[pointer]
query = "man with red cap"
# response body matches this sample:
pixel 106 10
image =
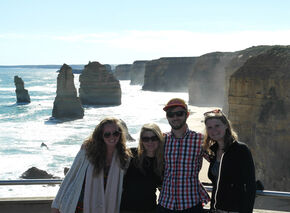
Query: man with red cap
pixel 181 190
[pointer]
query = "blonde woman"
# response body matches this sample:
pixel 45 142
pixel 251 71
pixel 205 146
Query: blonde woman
pixel 145 172
pixel 231 169
pixel 94 181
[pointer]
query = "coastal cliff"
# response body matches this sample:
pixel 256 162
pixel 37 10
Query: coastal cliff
pixel 98 86
pixel 137 73
pixel 162 74
pixel 207 79
pixel 259 99
pixel 122 71
pixel 66 103
pixel 22 95
pixel 238 60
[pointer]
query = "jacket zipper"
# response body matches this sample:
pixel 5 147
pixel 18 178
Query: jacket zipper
pixel 218 180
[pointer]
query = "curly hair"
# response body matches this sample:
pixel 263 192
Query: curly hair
pixel 230 134
pixel 141 152
pixel 96 148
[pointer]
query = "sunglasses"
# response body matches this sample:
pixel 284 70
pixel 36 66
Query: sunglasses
pixel 215 112
pixel 178 114
pixel 108 134
pixel 146 139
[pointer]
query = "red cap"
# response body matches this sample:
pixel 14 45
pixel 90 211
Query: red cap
pixel 174 103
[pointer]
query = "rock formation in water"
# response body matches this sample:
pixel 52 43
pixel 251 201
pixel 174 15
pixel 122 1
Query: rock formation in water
pixel 207 79
pixel 168 74
pixel 259 103
pixel 66 103
pixel 137 73
pixel 98 86
pixel 122 71
pixel 35 173
pixel 128 135
pixel 22 95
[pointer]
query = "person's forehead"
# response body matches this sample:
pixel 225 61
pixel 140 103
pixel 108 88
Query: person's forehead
pixel 175 109
pixel 110 126
pixel 148 132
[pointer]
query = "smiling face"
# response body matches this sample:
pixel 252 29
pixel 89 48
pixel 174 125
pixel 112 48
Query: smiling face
pixel 176 117
pixel 216 129
pixel 111 135
pixel 150 142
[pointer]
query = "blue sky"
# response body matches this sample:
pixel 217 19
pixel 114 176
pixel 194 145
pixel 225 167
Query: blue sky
pixel 116 32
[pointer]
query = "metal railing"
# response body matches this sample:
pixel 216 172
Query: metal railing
pixel 264 193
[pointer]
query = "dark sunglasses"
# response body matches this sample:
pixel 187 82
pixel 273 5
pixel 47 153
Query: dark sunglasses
pixel 146 139
pixel 178 114
pixel 215 112
pixel 108 134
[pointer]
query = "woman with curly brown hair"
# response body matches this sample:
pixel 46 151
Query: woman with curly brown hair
pixel 231 169
pixel 144 174
pixel 94 182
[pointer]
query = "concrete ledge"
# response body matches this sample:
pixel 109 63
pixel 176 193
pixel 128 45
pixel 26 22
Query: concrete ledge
pixel 43 205
pixel 26 205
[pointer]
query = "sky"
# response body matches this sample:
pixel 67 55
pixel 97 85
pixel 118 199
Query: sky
pixel 36 32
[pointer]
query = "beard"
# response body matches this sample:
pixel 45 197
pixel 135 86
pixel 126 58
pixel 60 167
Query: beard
pixel 177 124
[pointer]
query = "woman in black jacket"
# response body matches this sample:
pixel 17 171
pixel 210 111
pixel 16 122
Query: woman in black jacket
pixel 231 169
pixel 144 174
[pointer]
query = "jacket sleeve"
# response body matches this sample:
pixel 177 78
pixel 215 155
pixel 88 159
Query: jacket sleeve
pixel 70 188
pixel 249 180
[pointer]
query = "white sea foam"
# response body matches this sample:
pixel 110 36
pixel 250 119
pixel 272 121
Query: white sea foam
pixel 27 126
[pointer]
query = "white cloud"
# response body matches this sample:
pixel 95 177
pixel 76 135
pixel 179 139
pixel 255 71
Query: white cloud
pixel 127 46
pixel 179 42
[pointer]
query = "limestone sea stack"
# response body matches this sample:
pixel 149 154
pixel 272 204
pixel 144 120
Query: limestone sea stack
pixel 137 73
pixel 66 103
pixel 22 95
pixel 259 103
pixel 99 86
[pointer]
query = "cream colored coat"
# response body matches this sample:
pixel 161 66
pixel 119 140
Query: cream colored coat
pixel 69 192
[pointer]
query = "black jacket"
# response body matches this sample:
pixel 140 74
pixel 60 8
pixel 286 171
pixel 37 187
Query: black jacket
pixel 139 187
pixel 235 188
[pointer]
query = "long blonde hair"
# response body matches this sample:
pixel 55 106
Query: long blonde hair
pixel 230 134
pixel 141 152
pixel 96 148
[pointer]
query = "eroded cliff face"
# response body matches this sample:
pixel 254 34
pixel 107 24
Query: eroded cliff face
pixel 207 79
pixel 122 71
pixel 239 59
pixel 22 95
pixel 168 74
pixel 137 73
pixel 259 103
pixel 66 103
pixel 99 86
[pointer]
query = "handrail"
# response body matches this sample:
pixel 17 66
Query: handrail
pixel 264 193
pixel 31 182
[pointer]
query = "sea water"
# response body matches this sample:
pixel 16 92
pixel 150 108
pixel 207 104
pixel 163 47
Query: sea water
pixel 25 127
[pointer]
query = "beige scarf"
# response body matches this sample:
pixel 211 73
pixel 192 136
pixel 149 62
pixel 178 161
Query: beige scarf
pixel 98 200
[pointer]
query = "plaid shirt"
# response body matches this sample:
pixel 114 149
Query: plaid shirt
pixel 181 188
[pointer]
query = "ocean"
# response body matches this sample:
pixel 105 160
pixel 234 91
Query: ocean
pixel 25 127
